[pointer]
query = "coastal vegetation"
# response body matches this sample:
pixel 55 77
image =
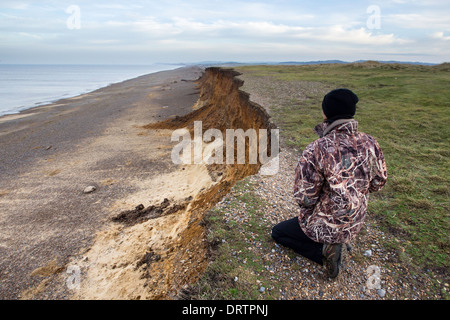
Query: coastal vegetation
pixel 406 108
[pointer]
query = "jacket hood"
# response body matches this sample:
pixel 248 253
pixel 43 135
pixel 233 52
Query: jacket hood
pixel 348 125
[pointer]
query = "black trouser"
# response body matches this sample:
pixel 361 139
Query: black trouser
pixel 289 234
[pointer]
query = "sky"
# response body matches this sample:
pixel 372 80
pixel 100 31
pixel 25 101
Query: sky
pixel 175 31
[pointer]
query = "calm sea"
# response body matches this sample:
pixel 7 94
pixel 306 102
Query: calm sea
pixel 27 86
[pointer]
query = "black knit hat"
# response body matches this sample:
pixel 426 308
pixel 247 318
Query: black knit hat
pixel 339 104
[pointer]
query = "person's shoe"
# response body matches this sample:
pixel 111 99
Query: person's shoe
pixel 332 258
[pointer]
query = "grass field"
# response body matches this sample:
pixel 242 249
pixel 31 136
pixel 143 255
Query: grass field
pixel 407 109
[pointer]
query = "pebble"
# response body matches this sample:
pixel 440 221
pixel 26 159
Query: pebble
pixel 381 292
pixel 262 289
pixel 89 189
pixel 368 253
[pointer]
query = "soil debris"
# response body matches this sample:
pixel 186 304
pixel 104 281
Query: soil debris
pixel 147 259
pixel 140 213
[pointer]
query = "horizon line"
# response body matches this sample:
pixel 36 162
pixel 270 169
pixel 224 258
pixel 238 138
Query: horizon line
pixel 212 62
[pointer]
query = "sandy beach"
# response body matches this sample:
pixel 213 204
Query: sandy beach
pixel 92 204
pixel 50 154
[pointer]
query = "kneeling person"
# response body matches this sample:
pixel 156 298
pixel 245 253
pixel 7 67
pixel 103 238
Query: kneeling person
pixel 333 179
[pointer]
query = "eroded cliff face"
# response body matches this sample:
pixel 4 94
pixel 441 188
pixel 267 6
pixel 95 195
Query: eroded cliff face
pixel 222 105
pixel 151 252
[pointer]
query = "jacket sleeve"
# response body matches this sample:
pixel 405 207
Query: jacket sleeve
pixel 378 169
pixel 308 181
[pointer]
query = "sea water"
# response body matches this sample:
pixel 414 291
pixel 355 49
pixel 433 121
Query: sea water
pixel 26 86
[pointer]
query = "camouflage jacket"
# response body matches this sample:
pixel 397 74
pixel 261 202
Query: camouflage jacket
pixel 333 179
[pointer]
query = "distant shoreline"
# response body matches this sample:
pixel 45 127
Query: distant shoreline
pixel 25 78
